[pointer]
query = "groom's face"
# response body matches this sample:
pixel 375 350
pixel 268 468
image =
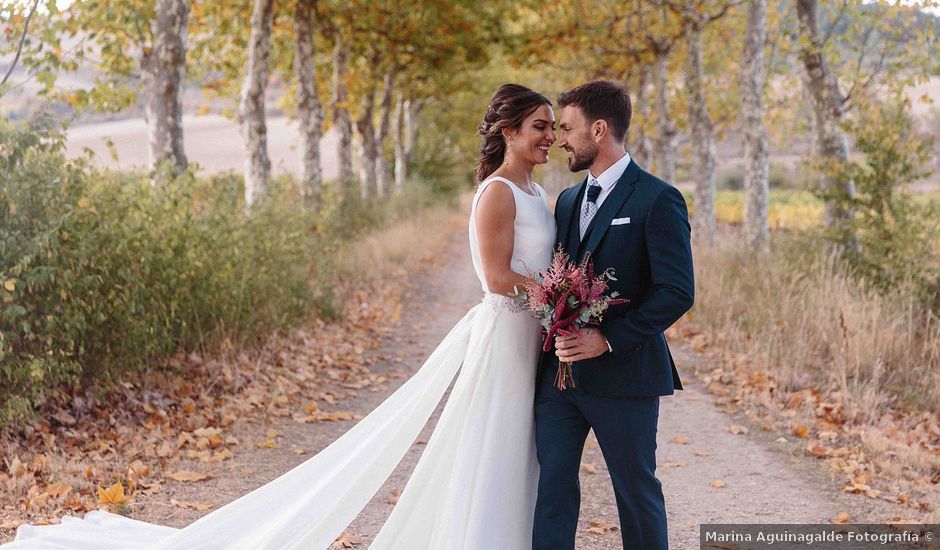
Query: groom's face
pixel 574 136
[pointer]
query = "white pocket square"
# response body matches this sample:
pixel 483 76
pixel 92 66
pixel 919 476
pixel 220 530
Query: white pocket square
pixel 619 221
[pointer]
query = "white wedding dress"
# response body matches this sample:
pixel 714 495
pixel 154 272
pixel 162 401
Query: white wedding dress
pixel 474 486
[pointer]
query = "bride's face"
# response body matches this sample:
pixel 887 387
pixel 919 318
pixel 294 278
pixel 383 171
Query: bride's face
pixel 531 141
pixel 574 137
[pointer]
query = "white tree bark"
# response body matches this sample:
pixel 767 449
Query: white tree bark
pixel 412 113
pixel 756 169
pixel 251 107
pixel 398 137
pixel 827 101
pixel 163 69
pixel 665 146
pixel 703 139
pixel 406 136
pixel 309 107
pixel 382 170
pixel 340 108
pixel 365 134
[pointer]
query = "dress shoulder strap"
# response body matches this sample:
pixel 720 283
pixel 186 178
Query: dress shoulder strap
pixel 486 183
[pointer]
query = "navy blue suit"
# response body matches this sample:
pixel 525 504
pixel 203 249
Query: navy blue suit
pixel 617 394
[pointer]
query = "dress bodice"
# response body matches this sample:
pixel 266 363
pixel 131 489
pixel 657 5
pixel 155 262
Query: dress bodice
pixel 533 227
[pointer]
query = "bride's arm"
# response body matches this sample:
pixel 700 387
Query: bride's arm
pixel 495 215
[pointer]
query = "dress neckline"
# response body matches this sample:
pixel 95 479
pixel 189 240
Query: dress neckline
pixel 538 192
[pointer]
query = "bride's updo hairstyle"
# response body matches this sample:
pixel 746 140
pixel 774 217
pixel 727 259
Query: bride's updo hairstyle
pixel 510 105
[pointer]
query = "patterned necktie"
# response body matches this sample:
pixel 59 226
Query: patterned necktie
pixel 590 207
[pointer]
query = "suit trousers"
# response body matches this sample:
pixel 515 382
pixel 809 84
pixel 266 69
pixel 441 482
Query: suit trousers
pixel 625 429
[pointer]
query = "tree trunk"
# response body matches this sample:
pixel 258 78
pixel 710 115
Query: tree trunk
pixel 382 172
pixel 703 139
pixel 642 145
pixel 398 137
pixel 309 108
pixel 756 170
pixel 412 112
pixel 251 107
pixel 340 108
pixel 163 69
pixel 365 131
pixel 665 153
pixel 826 100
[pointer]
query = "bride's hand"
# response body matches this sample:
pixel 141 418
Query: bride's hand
pixel 579 345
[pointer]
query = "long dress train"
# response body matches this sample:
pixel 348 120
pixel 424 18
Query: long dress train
pixel 474 485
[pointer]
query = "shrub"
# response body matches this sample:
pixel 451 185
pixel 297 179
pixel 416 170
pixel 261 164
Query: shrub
pixel 898 237
pixel 777 178
pixel 103 273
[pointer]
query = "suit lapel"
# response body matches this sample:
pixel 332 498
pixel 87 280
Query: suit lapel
pixel 618 196
pixel 570 220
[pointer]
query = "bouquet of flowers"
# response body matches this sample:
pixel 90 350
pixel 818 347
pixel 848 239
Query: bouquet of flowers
pixel 566 297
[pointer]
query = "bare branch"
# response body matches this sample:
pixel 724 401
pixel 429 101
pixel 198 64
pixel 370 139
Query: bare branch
pixel 19 48
pixel 832 28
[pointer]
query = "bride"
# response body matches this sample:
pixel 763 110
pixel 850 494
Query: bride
pixel 475 484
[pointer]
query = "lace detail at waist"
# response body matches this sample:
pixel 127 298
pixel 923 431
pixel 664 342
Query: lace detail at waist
pixel 502 303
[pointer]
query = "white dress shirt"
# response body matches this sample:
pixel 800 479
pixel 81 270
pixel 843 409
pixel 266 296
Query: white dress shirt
pixel 607 180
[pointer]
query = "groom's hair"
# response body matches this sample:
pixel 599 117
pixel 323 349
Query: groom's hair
pixel 601 99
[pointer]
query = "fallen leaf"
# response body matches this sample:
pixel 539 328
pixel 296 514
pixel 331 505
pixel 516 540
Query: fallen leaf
pixel 17 468
pixel 137 470
pixel 188 476
pixel 599 527
pixel 192 505
pixel 718 484
pixel 669 464
pixel 737 429
pixel 64 418
pixel 588 468
pixel 346 540
pixel 679 441
pixel 818 450
pixel 800 431
pixel 701 453
pixel 841 518
pixel 113 495
pixel 57 490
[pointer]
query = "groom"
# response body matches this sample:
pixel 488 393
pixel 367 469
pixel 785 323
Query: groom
pixel 637 224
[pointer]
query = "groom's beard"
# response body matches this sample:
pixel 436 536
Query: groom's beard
pixel 582 160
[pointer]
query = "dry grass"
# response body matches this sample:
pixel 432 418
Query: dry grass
pixel 813 325
pixel 399 247
pixel 812 352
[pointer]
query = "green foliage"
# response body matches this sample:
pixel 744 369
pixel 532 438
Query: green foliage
pixel 898 236
pixel 103 272
pixel 733 179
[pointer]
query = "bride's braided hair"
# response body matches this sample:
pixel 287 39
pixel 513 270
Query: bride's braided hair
pixel 510 105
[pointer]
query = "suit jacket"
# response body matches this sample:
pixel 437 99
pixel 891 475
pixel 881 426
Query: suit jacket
pixel 651 255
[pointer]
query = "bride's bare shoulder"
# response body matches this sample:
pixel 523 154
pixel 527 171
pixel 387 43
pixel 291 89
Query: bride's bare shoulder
pixel 496 199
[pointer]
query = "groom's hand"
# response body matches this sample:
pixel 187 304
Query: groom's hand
pixel 585 343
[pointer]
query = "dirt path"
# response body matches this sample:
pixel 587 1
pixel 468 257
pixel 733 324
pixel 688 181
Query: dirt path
pixel 763 479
